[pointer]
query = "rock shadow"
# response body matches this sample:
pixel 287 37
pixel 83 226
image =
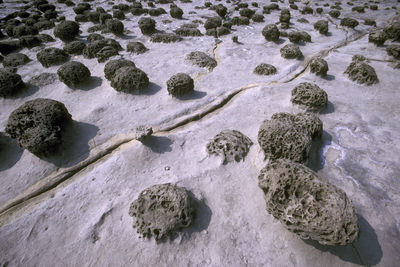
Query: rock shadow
pixel 202 216
pixel 192 95
pixel 158 144
pixel 365 251
pixel 329 109
pixel 75 146
pixel 280 41
pixel 127 37
pixel 10 152
pixel 28 90
pixel 329 77
pixel 152 89
pixel 89 84
pixel 316 158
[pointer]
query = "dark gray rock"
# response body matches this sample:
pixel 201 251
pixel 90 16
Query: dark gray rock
pixel 73 73
pixel 43 79
pixel 201 59
pixel 307 205
pixel 129 79
pixel 147 26
pixel 37 125
pixel 349 22
pixel 176 12
pixel 165 38
pixel 310 97
pixel 271 32
pixel 66 30
pixel 74 47
pixel 377 37
pixel 180 84
pixel 136 48
pixel 393 50
pixel 52 56
pixel 10 83
pixel 393 31
pixel 321 26
pixel 319 66
pixel 113 65
pixel 230 145
pixel 265 69
pixel 15 60
pixel 299 36
pixel 291 51
pixel 162 210
pixel 115 26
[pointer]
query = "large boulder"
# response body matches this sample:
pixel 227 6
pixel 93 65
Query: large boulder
pixel 180 84
pixel 162 210
pixel 129 79
pixel 52 56
pixel 37 125
pixel 289 136
pixel 362 73
pixel 307 205
pixel 10 83
pixel 310 97
pixel 73 73
pixel 113 65
pixel 66 30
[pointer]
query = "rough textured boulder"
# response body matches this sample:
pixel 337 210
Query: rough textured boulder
pixel 271 32
pixel 147 25
pixel 230 145
pixel 142 132
pixel 308 205
pixel 176 12
pixel 201 59
pixel 393 50
pixel 188 30
pixel 393 31
pixel 265 69
pixel 10 83
pixel 377 37
pixel 165 38
pixel 52 56
pixel 349 22
pixel 289 136
pixel 310 97
pixel 15 60
pixel 180 84
pixel 115 26
pixel 319 66
pixel 73 73
pixel 162 210
pixel 291 51
pixel 74 47
pixel 67 30
pixel 102 49
pixel 113 65
pixel 128 79
pixel 321 26
pixel 136 48
pixel 334 13
pixel 37 125
pixel 361 73
pixel 299 36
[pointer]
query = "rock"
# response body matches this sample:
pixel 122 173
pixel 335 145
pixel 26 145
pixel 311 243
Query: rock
pixel 37 125
pixel 165 38
pixel 221 10
pixel 393 50
pixel 21 30
pixel 265 69
pixel 44 38
pixel 289 136
pixel 308 205
pixel 271 32
pixel 73 73
pixel 349 22
pixel 142 132
pixel 15 60
pixel 180 84
pixel 212 23
pixel 102 49
pixel 67 30
pixel 147 26
pixel 30 41
pixel 296 37
pixel 115 26
pixel 156 11
pixel 118 14
pixel 240 20
pixel 230 145
pixel 361 73
pixel 246 12
pixel 176 12
pixel 94 37
pixel 128 79
pixel 52 56
pixel 74 47
pixel 10 83
pixel 370 22
pixel 310 97
pixel 319 66
pixel 188 31
pixel 393 31
pixel 258 18
pixel 161 210
pixel 43 79
pixel 377 37
pixel 334 13
pixel 321 26
pixel 103 17
pixel 291 51
pixel 136 48
pixel 201 59
pixel 113 65
pixel 9 46
pixel 285 16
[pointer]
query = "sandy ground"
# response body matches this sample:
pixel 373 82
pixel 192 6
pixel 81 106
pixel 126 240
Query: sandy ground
pixel 72 209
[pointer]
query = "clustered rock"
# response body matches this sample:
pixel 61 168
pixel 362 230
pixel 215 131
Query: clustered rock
pixel 230 145
pixel 38 124
pixel 161 210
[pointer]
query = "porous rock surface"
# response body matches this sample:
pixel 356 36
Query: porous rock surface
pixel 307 205
pixel 180 84
pixel 319 66
pixel 289 136
pixel 128 79
pixel 162 210
pixel 291 51
pixel 66 30
pixel 230 145
pixel 265 69
pixel 113 65
pixel 15 60
pixel 52 56
pixel 271 32
pixel 310 97
pixel 201 59
pixel 37 125
pixel 361 72
pixel 73 73
pixel 10 83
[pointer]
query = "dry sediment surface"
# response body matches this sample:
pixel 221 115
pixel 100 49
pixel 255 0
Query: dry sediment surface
pixel 71 206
